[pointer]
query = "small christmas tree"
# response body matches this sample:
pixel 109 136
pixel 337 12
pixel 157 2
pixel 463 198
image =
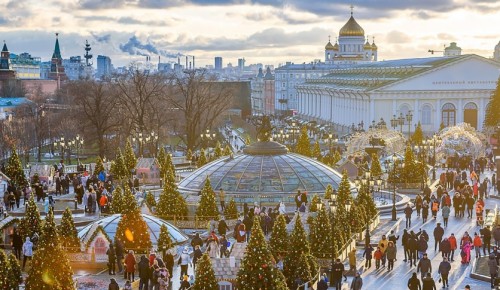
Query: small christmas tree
pixel 5 271
pixel 375 169
pixel 313 207
pixel 150 200
pixel 67 232
pixel 344 191
pixel 336 158
pixel 50 268
pixel 328 192
pixel 257 269
pixel 365 199
pixel 129 203
pixel 207 208
pixel 278 242
pixel 299 245
pixel 227 150
pixel 169 164
pixel 231 211
pixel 247 140
pixel 129 158
pixel 31 222
pixel 189 155
pixel 317 151
pixel 118 167
pixel 99 166
pixel 205 275
pixel 302 271
pixel 410 170
pixel 492 115
pixel 15 273
pixel 171 203
pixel 304 144
pixel 202 160
pixel 218 150
pixel 132 230
pixel 164 241
pixel 321 235
pixel 162 162
pixel 117 200
pixel 14 169
pixel 418 135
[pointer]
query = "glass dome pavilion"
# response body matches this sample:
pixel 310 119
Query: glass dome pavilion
pixel 263 168
pixel 110 224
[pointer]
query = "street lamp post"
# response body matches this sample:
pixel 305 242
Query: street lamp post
pixel 78 143
pixel 409 118
pixel 401 122
pixel 333 211
pixel 62 145
pixel 394 160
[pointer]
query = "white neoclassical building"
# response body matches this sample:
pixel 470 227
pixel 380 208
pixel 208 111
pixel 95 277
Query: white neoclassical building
pixel 436 90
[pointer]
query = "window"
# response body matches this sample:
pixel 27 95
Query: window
pixel 448 117
pixel 404 110
pixel 223 285
pixel 426 115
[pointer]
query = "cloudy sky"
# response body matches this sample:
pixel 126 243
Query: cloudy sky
pixel 261 31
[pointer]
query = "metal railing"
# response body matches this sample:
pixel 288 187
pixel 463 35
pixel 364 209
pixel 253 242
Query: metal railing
pixel 311 282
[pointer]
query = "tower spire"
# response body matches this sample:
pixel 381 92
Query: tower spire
pixel 4 46
pixel 57 50
pixel 352 9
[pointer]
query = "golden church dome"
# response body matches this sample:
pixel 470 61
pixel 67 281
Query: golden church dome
pixel 352 28
pixel 336 46
pixel 374 47
pixel 329 46
pixel 367 46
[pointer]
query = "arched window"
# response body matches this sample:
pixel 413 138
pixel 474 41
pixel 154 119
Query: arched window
pixel 426 115
pixel 404 109
pixel 448 115
pixel 470 114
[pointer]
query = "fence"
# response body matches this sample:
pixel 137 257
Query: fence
pixel 195 222
pixel 312 283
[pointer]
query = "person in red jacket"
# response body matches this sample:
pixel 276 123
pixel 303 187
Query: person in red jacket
pixel 378 257
pixel 478 243
pixel 453 244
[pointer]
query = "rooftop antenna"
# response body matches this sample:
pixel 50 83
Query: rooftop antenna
pixel 352 9
pixel 432 51
pixel 87 55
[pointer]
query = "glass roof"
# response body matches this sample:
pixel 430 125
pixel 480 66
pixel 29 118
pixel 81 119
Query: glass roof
pixel 267 174
pixel 110 224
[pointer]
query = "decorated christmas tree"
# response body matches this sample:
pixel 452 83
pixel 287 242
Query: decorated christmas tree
pixel 150 200
pixel 418 135
pixel 132 230
pixel 321 235
pixel 304 144
pixel 162 162
pixel 227 150
pixel 118 167
pixel 169 164
pixel 299 245
pixel 492 116
pixel 117 200
pixel 31 222
pixel 313 206
pixel 365 199
pixel 15 274
pixel 258 269
pixel 207 208
pixel 171 203
pixel 129 158
pixel 202 160
pixel 50 268
pixel 218 150
pixel 356 218
pixel 205 275
pixel 302 271
pixel 4 271
pixel 99 166
pixel 247 140
pixel 189 155
pixel 328 192
pixel 164 241
pixel 14 169
pixel 317 151
pixel 375 169
pixel 410 172
pixel 67 232
pixel 344 191
pixel 129 203
pixel 336 158
pixel 231 211
pixel 278 243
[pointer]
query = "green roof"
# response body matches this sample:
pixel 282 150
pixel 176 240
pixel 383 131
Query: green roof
pixel 57 50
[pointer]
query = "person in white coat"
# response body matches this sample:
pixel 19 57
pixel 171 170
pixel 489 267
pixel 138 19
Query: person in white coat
pixel 27 251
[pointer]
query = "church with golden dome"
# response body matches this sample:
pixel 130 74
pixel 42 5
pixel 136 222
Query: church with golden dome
pixel 351 46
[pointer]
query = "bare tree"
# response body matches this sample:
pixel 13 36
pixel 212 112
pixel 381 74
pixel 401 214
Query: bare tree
pixel 95 107
pixel 200 99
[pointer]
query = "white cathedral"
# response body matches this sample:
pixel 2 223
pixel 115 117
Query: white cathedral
pixel 351 46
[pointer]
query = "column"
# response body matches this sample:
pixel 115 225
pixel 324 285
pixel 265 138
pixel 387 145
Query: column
pixel 416 113
pixel 371 116
pixel 437 121
pixel 481 111
pixel 459 115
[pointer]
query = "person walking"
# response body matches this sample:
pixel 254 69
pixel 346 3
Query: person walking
pixel 144 273
pixel 383 244
pixel 130 265
pixel 425 211
pixel 428 283
pixel 17 244
pixel 414 283
pixel 438 235
pixel 444 271
pixel 408 212
pixel 453 246
pixel 391 253
pixel 477 245
pixel 493 267
pixel 222 227
pixel 422 247
pixel 418 204
pixel 357 282
pixel 119 255
pixel 424 266
pixel 486 235
pixel 196 256
pixel 445 248
pixel 222 199
pixel 111 259
pixel 367 254
pixel 412 249
pixel 336 274
pixel 113 285
pixel 184 262
pixel 445 212
pixel 27 251
pixel 496 235
pixel 378 257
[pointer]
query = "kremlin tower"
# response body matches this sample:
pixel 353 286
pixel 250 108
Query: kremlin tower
pixel 56 68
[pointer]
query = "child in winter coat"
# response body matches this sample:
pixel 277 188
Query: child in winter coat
pixel 378 257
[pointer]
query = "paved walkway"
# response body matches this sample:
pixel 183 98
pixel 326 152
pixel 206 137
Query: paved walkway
pixel 398 277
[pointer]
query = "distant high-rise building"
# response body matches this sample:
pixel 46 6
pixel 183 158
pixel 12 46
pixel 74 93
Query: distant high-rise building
pixel 56 68
pixel 241 64
pixel 104 66
pixel 218 63
pixel 496 54
pixel 26 66
pixel 73 67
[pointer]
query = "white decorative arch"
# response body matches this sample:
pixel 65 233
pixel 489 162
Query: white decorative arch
pixel 470 106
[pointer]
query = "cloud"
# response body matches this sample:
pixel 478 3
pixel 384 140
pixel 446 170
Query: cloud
pixel 135 47
pixel 132 21
pixel 421 15
pixel 101 38
pixel 101 4
pixel 162 3
pixel 397 37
